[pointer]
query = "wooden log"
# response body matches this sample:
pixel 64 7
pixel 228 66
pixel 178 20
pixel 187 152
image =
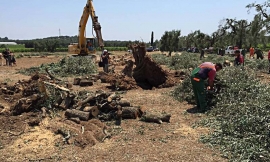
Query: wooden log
pixel 130 113
pixel 87 109
pixel 76 81
pixel 76 120
pixel 107 107
pixel 84 83
pixel 124 103
pixel 156 117
pixel 72 113
pixel 88 99
pixel 94 111
pixel 112 97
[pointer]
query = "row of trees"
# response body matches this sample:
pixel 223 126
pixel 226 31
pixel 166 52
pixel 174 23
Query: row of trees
pixel 240 33
pixel 50 44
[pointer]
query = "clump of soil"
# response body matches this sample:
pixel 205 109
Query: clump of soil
pixel 118 81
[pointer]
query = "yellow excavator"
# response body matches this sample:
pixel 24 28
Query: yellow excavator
pixel 86 46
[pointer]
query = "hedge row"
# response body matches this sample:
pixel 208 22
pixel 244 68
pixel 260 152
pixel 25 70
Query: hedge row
pixel 62 49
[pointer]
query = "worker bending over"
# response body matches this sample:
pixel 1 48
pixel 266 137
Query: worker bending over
pixel 205 71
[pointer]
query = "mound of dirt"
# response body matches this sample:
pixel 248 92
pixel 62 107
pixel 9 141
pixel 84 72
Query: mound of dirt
pixel 118 81
pixel 11 127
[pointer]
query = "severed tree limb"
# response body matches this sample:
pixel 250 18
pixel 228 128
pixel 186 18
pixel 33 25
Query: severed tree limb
pixel 57 87
pixel 51 76
pixel 156 117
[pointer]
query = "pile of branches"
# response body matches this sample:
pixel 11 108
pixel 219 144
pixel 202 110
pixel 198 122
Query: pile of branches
pixel 68 66
pixel 239 115
pixel 242 111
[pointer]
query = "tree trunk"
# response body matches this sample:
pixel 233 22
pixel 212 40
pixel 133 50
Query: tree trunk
pixel 170 53
pixel 152 38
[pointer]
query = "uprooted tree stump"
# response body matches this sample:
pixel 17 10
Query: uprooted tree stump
pixel 147 73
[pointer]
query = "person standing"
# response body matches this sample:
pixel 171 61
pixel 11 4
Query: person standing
pixel 206 70
pixel 269 61
pixel 259 53
pixel 105 60
pixel 202 54
pixel 251 52
pixel 243 53
pixel 6 55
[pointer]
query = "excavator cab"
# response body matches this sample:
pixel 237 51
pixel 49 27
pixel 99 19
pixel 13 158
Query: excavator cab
pixel 91 45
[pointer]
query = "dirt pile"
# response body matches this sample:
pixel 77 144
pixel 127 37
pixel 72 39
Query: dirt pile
pixel 119 81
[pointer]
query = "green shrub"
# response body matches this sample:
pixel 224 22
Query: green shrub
pixel 69 66
pixel 161 59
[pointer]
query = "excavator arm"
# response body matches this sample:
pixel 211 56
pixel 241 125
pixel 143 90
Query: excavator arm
pixel 89 11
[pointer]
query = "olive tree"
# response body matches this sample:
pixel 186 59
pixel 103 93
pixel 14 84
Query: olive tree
pixel 169 41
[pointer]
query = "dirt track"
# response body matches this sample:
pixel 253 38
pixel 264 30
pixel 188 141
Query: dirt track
pixel 133 141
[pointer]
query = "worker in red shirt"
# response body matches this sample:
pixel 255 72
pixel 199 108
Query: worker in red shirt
pixel 239 59
pixel 269 60
pixel 205 71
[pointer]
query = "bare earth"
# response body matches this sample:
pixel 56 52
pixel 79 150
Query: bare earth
pixel 133 141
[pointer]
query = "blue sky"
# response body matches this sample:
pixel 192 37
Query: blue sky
pixel 120 19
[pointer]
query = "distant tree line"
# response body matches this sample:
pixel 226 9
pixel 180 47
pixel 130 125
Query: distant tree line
pixel 50 44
